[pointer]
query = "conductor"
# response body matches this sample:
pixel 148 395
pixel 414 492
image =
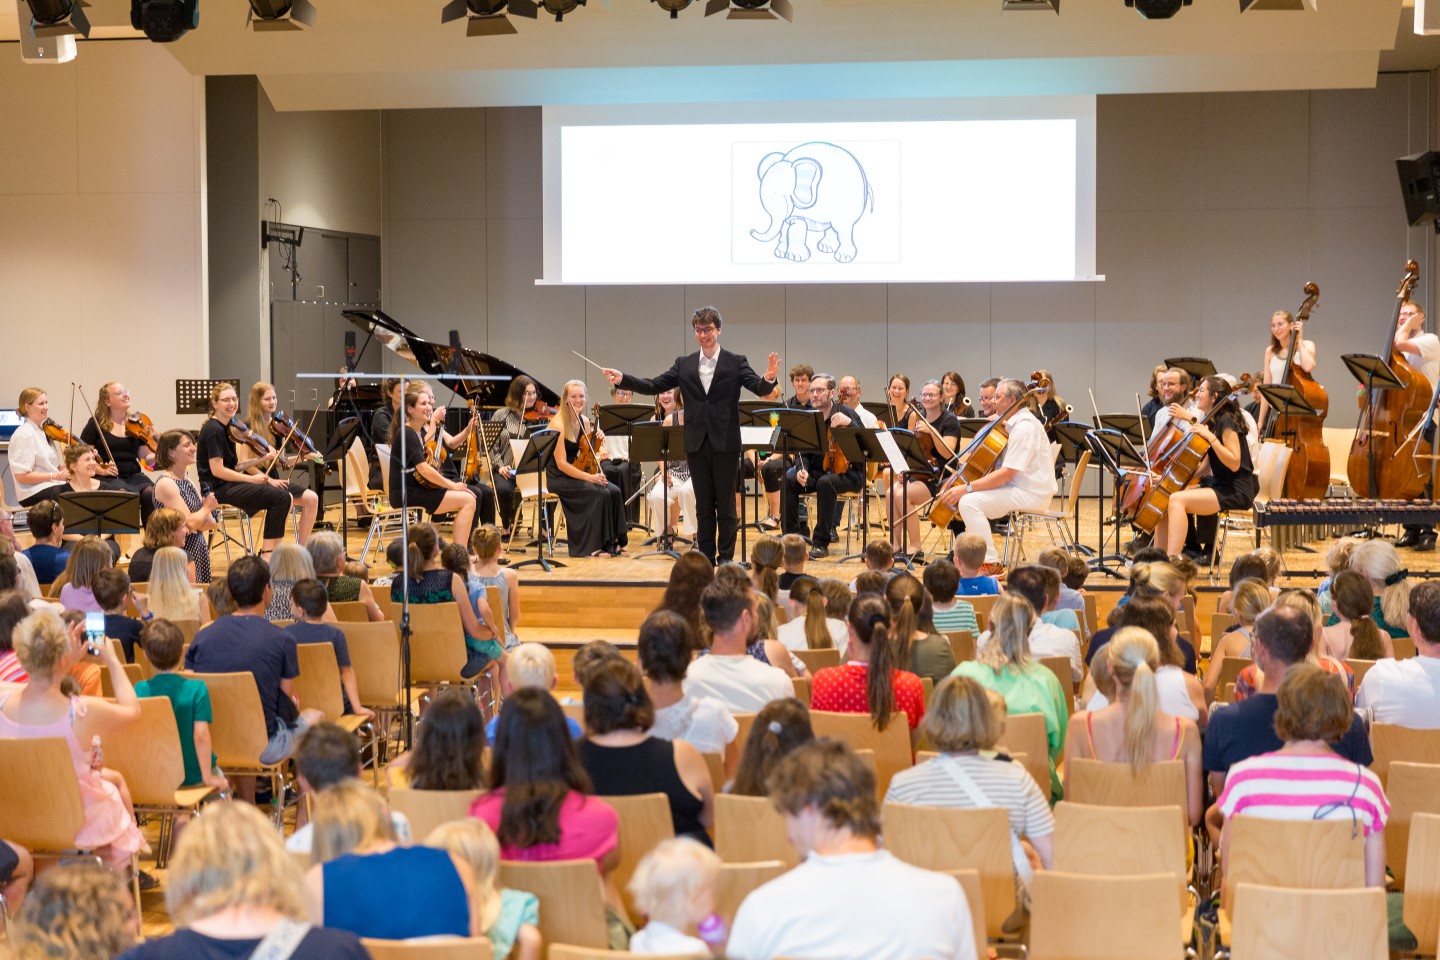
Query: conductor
pixel 709 381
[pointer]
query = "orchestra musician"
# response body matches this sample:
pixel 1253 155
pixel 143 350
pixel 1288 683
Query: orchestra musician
pixel 1154 405
pixel 260 414
pixel 594 509
pixel 897 403
pixel 989 398
pixel 670 409
pixel 952 394
pixel 126 455
pixel 1172 388
pixel 425 486
pixel 36 463
pixel 848 393
pixel 380 422
pixel 1052 406
pixel 1283 329
pixel 83 466
pixel 618 468
pixel 773 467
pixel 809 475
pixel 1231 483
pixel 250 484
pixel 520 397
pixel 1423 353
pixel 917 490
pixel 175 451
pixel 1022 479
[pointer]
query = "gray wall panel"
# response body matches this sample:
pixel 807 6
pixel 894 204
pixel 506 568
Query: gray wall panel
pixel 437 278
pixel 1148 152
pixel 1047 326
pixel 1256 150
pixel 935 327
pixel 1355 136
pixel 1252 259
pixel 629 328
pixel 530 326
pixel 836 328
pixel 512 156
pixel 435 164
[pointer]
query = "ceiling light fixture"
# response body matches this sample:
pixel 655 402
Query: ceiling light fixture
pixel 486 18
pixel 560 7
pixel 1030 5
pixel 1157 9
pixel 752 9
pixel 280 15
pixel 57 18
pixel 165 21
pixel 673 6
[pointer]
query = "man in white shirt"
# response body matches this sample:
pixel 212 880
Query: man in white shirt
pixel 728 673
pixel 849 391
pixel 895 911
pixel 1407 692
pixel 1022 479
pixel 1422 351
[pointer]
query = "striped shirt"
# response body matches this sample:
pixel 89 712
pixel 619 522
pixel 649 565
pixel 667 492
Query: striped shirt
pixel 1281 786
pixel 1005 783
pixel 960 615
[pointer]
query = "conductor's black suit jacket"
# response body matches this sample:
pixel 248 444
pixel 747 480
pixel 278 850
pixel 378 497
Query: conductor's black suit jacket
pixel 712 415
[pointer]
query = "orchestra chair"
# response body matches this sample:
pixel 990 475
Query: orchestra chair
pixel 1413 788
pixel 738 880
pixel 1061 522
pixel 891 745
pixel 1084 917
pixel 386 522
pixel 1025 740
pixel 1229 672
pixel 1420 908
pixel 238 734
pixel 1338 441
pixel 1390 742
pixel 802 689
pixel 428 809
pixel 750 830
pixel 1284 922
pixel 1124 841
pixel 949 838
pixel 350 611
pixel 455 948
pixel 1303 854
pixel 644 823
pixel 375 656
pixel 817 660
pixel 572 904
pixel 1060 666
pixel 318 688
pixel 962 644
pixel 531 489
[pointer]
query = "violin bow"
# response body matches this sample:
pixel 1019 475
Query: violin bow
pixel 308 427
pixel 104 442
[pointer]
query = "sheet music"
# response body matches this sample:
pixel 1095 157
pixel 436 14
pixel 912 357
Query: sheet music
pixel 756 436
pixel 892 451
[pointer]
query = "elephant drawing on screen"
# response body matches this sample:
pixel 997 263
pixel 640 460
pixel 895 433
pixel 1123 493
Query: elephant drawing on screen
pixel 815 188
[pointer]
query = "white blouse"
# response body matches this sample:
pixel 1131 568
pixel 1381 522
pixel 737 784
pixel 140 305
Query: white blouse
pixel 32 452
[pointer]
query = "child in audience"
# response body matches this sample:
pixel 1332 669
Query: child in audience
pixel 969 556
pixel 533 665
pixel 216 601
pixel 942 579
pixel 112 589
pixel 1337 558
pixel 870 581
pixel 485 545
pixel 779 727
pixel 509 918
pixel 328 754
pixel 674 886
pixel 1068 618
pixel 583 664
pixel 879 555
pixel 87 559
pixel 84 671
pixel 1247 566
pixel 164 644
pixel 1077 572
pixel 1059 561
pixel 395 556
pixel 793 556
pixel 309 600
pixel 357 569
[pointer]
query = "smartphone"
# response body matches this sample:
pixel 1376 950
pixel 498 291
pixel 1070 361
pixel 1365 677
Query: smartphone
pixel 94 632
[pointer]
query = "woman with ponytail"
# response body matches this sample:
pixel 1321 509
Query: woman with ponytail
pixel 1355 636
pixel 779 727
pixel 765 560
pixel 917 645
pixel 810 627
pixel 869 682
pixel 1389 582
pixel 1133 729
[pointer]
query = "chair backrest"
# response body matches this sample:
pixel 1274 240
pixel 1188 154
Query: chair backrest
pixel 750 830
pixel 802 689
pixel 350 611
pixel 1229 672
pixel 1270 469
pixel 962 644
pixel 1412 788
pixel 496 600
pixel 565 951
pixel 382 453
pixel 40 806
pixel 1389 743
pixel 715 763
pixel 148 754
pixel 1280 921
pixel 970 882
pixel 744 721
pixel 318 686
pixel 1404 647
pixel 1092 613
pixel 1160 784
pixel 1308 854
pixel 1359 668
pixel 891 745
pixel 1025 734
pixel 1060 666
pixel 1083 917
pixel 815 660
pixel 238 735
pixel 1077 479
pixel 738 880
pixel 468 948
pixel 375 657
pixel 983 605
pixel 437 643
pixel 572 909
pixel 357 471
pixel 428 809
pixel 944 838
pixel 644 822
pixel 1421 907
pixel 1191 627
pixel 928 685
pixel 1120 841
pixel 1219 623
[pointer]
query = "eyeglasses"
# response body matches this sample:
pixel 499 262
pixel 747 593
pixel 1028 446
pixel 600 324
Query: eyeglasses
pixel 707 328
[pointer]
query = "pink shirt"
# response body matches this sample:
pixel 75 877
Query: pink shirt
pixel 1282 786
pixel 10 669
pixel 589 828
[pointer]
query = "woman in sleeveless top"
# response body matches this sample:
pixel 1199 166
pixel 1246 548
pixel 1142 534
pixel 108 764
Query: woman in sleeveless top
pixel 1284 329
pixel 1133 730
pixel 175 452
pixel 594 509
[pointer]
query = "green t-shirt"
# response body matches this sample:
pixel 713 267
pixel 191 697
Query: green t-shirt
pixel 191 702
pixel 1029 689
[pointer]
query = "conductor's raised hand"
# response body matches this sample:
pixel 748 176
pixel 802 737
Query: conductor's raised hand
pixel 612 375
pixel 772 368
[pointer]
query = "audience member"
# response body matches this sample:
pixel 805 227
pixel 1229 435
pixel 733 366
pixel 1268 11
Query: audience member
pixel 870 681
pixel 164 646
pixel 87 558
pixel 17 869
pixel 1250 680
pixel 1407 692
pixel 1153 579
pixel 533 665
pixel 449 749
pixel 793 554
pixel 13 609
pixel 870 581
pixel 1251 599
pixel 1046 639
pixel 508 918
pixel 328 754
pixel 665 646
pixel 48 555
pixel 729 674
pixel 309 603
pixel 1337 558
pixel 689 576
pixel 112 589
pixel 765 559
pixel 165 528
pixel 879 555
pixel 77 911
pixel 969 556
pixel 1354 635
pixel 486 543
pixel 917 645
pixel 941 580
pixel 1380 563
pixel 171 595
pixel 810 626
pixel 289 564
pixel 674 887
pixel 1247 566
pixel 779 727
pixel 327 556
pixel 431 582
pixel 1179 693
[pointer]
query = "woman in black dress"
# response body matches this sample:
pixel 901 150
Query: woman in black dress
pixel 594 508
pixel 511 417
pixel 1231 482
pixel 121 455
pixel 425 486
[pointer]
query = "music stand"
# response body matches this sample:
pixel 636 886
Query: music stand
pixel 969 426
pixel 799 432
pixel 193 396
pixel 753 413
pixel 1197 367
pixel 1115 453
pixel 916 465
pixel 880 411
pixel 617 419
pixel 101 512
pixel 1373 374
pixel 1285 399
pixel 539 449
pixel 653 443
pixel 345 432
pixel 1071 436
pixel 860 445
pixel 1126 423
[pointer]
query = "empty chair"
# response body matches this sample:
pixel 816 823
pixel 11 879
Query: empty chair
pixel 1389 743
pixel 1084 917
pixel 1276 922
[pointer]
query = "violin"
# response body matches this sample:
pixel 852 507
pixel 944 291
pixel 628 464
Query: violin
pixel 435 454
pixel 834 460
pixel 587 459
pixel 925 437
pixel 982 453
pixel 58 434
pixel 142 429
pixel 539 411
pixel 285 429
pixel 241 435
pixel 1307 476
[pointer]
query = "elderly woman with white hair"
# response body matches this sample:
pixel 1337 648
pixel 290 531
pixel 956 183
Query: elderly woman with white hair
pixel 327 554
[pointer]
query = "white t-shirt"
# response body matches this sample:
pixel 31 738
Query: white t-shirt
pixel 792 634
pixel 1028 452
pixel 897 912
pixel 661 938
pixel 1048 640
pixel 1429 346
pixel 742 683
pixel 702 722
pixel 31 452
pixel 1171 696
pixel 1403 692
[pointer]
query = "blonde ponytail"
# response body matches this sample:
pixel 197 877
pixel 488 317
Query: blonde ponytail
pixel 1134 656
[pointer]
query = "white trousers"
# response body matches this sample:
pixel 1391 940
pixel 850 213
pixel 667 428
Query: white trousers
pixel 978 508
pixel 684 492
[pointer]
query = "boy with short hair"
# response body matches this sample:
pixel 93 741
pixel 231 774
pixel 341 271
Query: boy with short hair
pixel 793 554
pixel 879 555
pixel 941 579
pixel 111 589
pixel 164 644
pixel 328 754
pixel 1054 613
pixel 47 555
pixel 308 601
pixel 1077 573
pixel 533 665
pixel 1059 561
pixel 969 555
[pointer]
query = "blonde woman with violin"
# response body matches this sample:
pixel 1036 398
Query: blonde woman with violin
pixel 123 455
pixel 260 414
pixel 35 459
pixel 594 507
pixel 251 484
pixel 939 431
pixel 425 486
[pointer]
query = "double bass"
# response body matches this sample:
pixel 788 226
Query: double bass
pixel 1387 417
pixel 1308 475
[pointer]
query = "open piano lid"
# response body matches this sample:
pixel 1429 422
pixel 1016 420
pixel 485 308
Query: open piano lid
pixel 434 359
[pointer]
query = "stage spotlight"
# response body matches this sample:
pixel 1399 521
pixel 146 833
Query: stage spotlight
pixel 1157 9
pixel 1030 5
pixel 560 7
pixel 486 18
pixel 673 6
pixel 41 49
pixel 280 15
pixel 165 21
pixel 57 18
pixel 752 9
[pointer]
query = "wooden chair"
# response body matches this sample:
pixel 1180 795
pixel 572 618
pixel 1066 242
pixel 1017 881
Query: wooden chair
pixel 375 657
pixel 1229 671
pixel 437 644
pixel 1097 783
pixel 498 613
pixel 1123 841
pixel 1389 743
pixel 1060 666
pixel 1281 922
pixel 149 756
pixel 751 830
pixel 1306 854
pixel 1083 917
pixel 238 735
pixel 802 689
pixel 716 764
pixel 1413 788
pixel 1360 668
pixel 1219 623
pixel 318 688
pixel 891 745
pixel 428 809
pixel 983 605
pixel 644 823
pixel 1092 615
pixel 572 908
pixel 469 948
pixel 350 611
pixel 1191 625
pixel 744 721
pixel 943 838
pixel 738 880
pixel 816 660
pixel 962 644
pixel 1404 647
pixel 1421 906
pixel 1025 734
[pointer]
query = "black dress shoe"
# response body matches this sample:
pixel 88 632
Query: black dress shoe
pixel 1412 538
pixel 819 552
pixel 1425 543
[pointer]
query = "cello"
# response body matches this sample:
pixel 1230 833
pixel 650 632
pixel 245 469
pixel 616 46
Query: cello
pixel 1308 475
pixel 1387 417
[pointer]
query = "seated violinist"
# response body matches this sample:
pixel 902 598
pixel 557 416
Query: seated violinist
pixel 518 400
pixel 121 454
pixel 35 460
pixel 594 509
pixel 415 481
pixel 939 435
pixel 251 484
pixel 260 413
pixel 456 462
pixel 813 472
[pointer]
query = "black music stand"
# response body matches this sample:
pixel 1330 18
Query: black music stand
pixel 880 411
pixel 1197 367
pixel 616 420
pixel 1071 436
pixel 101 512
pixel 653 443
pixel 1286 399
pixel 1374 374
pixel 1126 423
pixel 1116 454
pixel 799 432
pixel 860 445
pixel 916 465
pixel 193 396
pixel 338 449
pixel 539 449
pixel 969 426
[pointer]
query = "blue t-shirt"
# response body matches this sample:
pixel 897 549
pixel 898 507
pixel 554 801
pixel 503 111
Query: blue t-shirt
pixel 402 893
pixel 49 562
pixel 126 630
pixel 248 644
pixel 1239 731
pixel 977 587
pixel 576 731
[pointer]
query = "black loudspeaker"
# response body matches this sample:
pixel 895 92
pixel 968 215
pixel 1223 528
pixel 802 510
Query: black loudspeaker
pixel 1419 176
